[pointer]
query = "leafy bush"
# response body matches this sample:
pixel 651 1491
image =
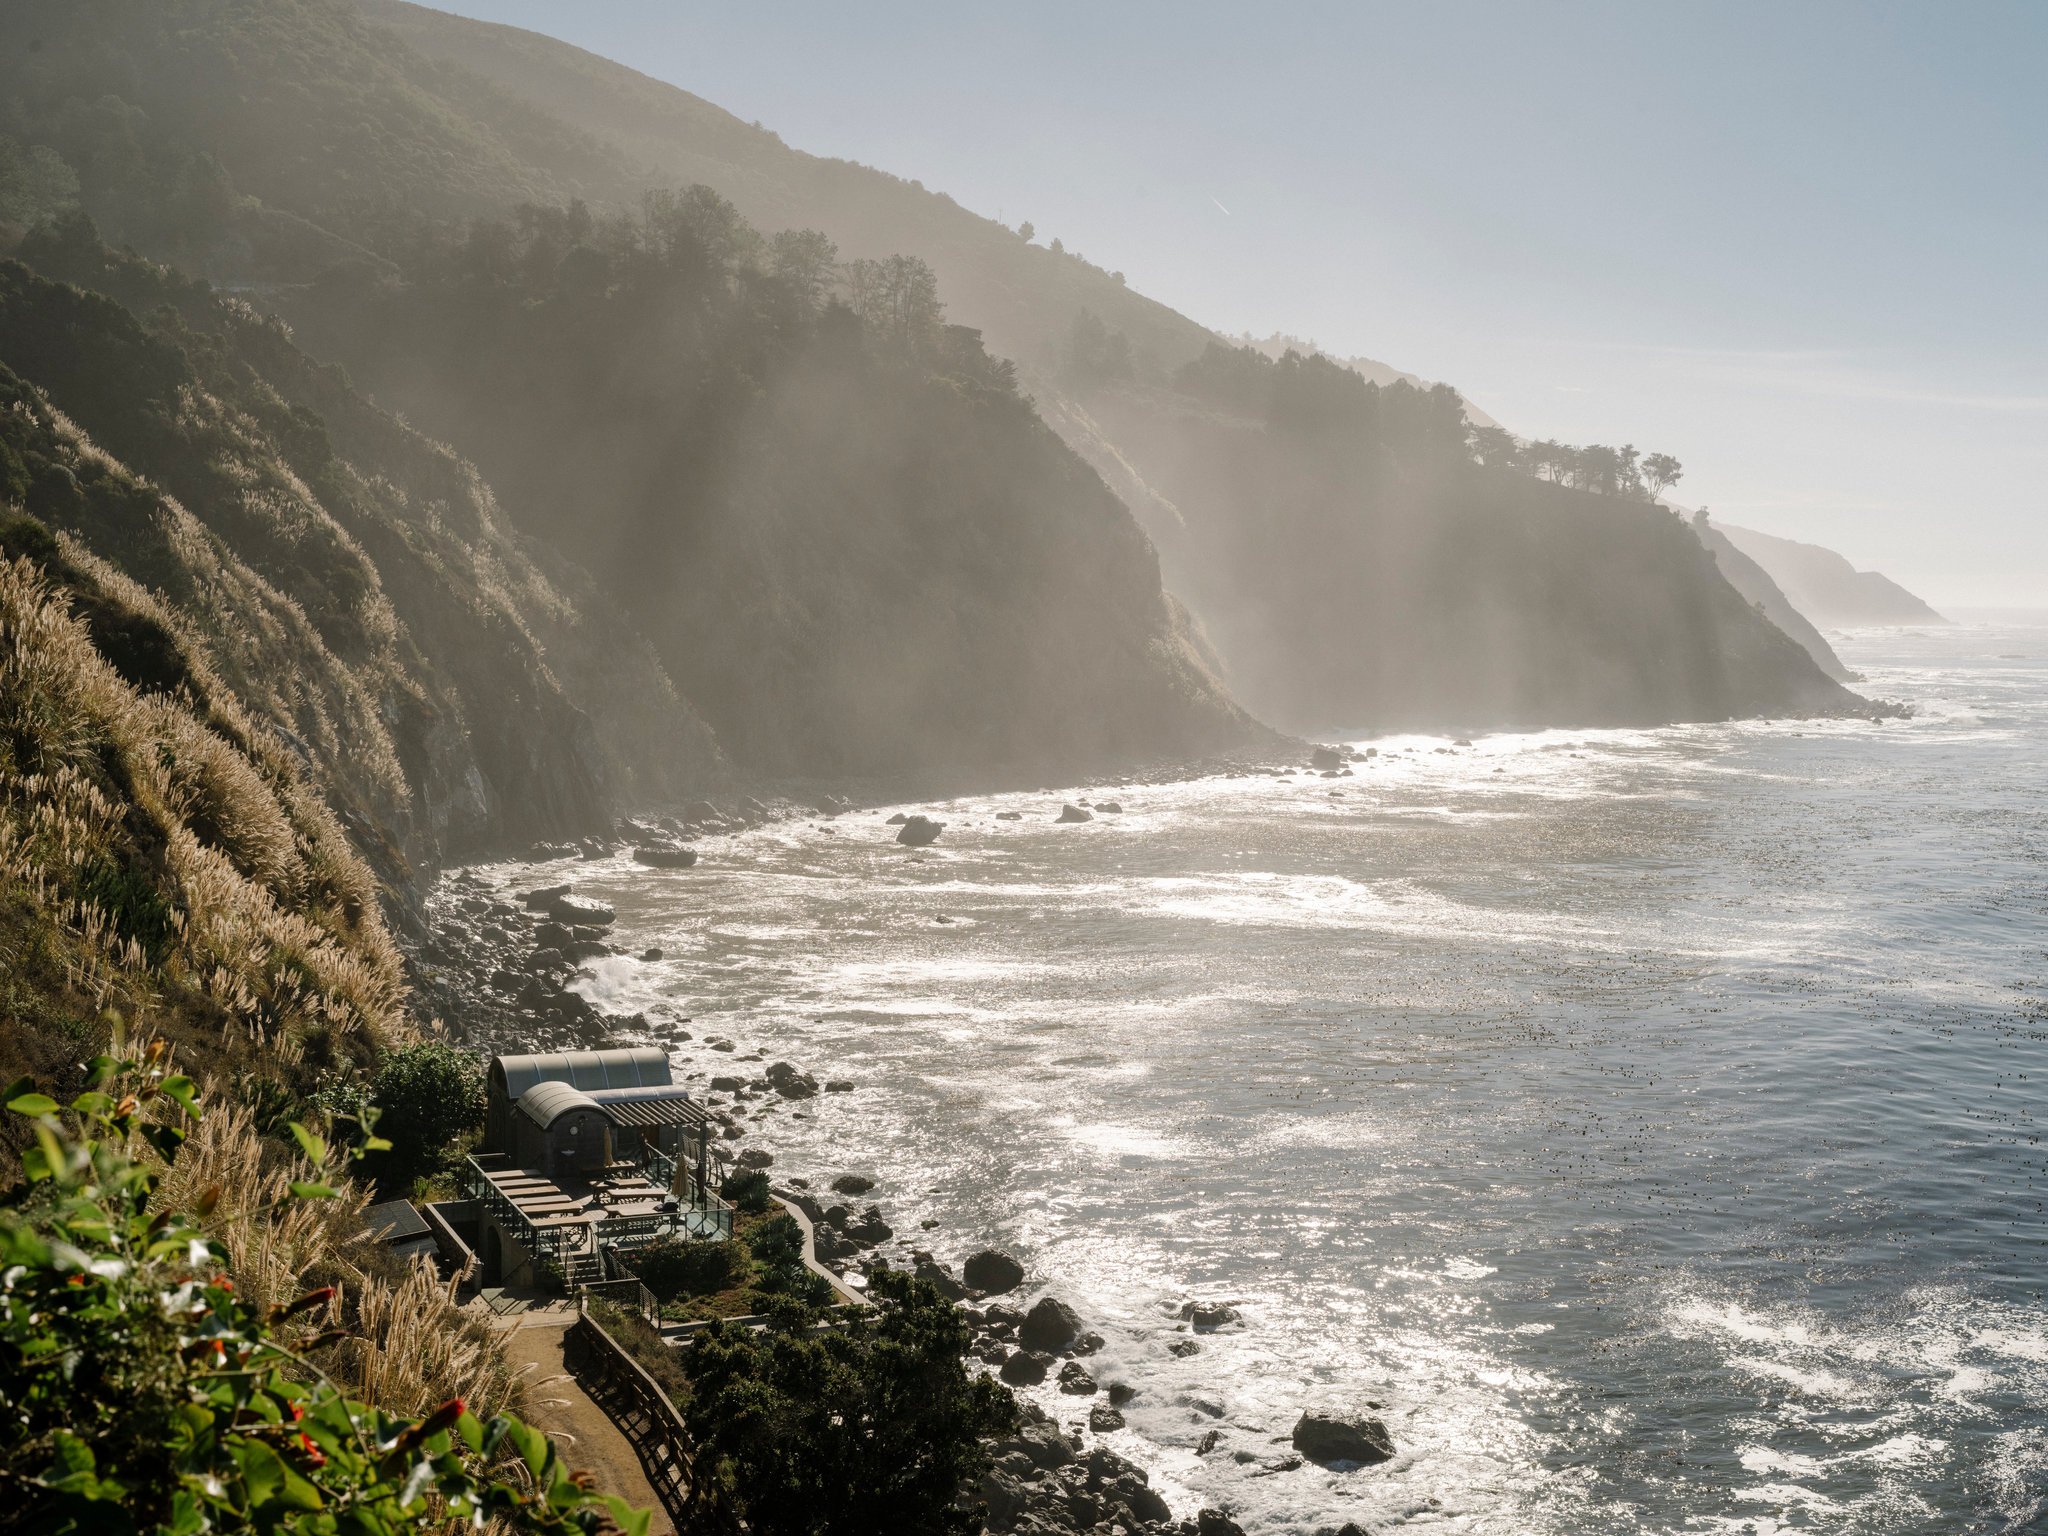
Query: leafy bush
pixel 748 1192
pixel 650 1351
pixel 676 1267
pixel 428 1097
pixel 145 1393
pixel 778 1247
pixel 876 1421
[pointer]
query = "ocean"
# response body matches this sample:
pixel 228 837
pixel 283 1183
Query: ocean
pixel 1649 1122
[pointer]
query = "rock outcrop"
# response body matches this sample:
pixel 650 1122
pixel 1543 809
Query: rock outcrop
pixel 1326 1438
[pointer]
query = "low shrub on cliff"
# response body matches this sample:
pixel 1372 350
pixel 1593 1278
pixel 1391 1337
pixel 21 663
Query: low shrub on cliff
pixel 429 1100
pixel 778 1248
pixel 687 1267
pixel 869 1426
pixel 748 1192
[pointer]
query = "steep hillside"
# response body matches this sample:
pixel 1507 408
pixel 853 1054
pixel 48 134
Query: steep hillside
pixel 1355 567
pixel 1827 588
pixel 856 547
pixel 161 854
pixel 1102 360
pixel 1023 297
pixel 349 580
pixel 683 476
pixel 1754 583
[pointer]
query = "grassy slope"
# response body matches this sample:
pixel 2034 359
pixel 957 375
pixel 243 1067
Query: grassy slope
pixel 160 852
pixel 1023 297
pixel 352 579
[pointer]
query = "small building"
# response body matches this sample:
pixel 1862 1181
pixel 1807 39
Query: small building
pixel 586 1156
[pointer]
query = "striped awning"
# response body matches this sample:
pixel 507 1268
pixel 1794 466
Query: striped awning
pixel 650 1108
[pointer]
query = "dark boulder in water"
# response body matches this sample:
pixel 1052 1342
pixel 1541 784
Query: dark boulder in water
pixel 1102 1419
pixel 1051 1325
pixel 992 1272
pixel 897 820
pixel 1075 1380
pixel 1326 1437
pixel 1112 807
pixel 665 856
pixel 1326 757
pixel 1009 815
pixel 1026 1368
pixel 786 1080
pixel 581 909
pixel 937 1275
pixel 918 831
pixel 1070 813
pixel 853 1184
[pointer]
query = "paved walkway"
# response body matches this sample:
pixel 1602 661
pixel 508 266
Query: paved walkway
pixel 589 1440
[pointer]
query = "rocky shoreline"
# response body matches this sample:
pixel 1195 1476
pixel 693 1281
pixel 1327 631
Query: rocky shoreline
pixel 497 967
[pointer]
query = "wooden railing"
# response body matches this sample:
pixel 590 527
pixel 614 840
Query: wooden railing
pixel 634 1401
pixel 625 1292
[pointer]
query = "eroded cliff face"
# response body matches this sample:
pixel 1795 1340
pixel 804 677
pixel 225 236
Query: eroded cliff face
pixel 351 582
pixel 851 540
pixel 1364 573
pixel 1755 584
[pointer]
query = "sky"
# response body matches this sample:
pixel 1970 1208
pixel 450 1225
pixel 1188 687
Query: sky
pixel 1802 247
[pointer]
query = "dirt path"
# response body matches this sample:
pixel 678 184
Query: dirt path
pixel 587 1437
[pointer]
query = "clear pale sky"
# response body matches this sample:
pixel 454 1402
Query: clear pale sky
pixel 1802 246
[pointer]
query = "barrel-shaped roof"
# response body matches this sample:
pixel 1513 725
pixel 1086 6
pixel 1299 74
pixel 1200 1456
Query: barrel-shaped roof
pixel 634 1067
pixel 545 1103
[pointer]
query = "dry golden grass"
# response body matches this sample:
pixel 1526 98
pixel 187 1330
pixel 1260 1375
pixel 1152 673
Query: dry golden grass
pixel 410 1346
pixel 177 843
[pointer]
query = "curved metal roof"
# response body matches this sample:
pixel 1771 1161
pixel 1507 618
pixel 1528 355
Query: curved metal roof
pixel 639 1067
pixel 545 1103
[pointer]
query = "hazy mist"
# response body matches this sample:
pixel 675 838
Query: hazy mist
pixel 1796 246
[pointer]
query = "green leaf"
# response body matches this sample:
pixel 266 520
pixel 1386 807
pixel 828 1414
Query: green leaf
pixel 73 1454
pixel 165 1138
pixel 182 1090
pixel 305 1191
pixel 633 1522
pixel 531 1444
pixel 33 1104
pixel 314 1148
pixel 297 1493
pixel 263 1471
pixel 472 1432
pixel 186 1516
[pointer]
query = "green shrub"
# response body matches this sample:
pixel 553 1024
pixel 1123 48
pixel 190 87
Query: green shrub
pixel 875 1420
pixel 429 1097
pixel 682 1267
pixel 778 1247
pixel 748 1191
